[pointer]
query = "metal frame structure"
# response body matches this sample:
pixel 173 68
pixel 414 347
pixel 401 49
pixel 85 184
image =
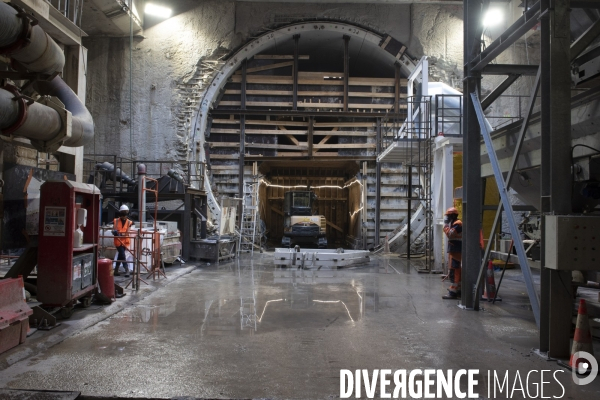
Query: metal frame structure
pixel 553 312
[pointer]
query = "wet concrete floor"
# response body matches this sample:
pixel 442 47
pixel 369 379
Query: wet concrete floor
pixel 249 330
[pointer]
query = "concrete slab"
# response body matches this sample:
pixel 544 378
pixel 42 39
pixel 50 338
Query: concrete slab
pixel 37 395
pixel 249 330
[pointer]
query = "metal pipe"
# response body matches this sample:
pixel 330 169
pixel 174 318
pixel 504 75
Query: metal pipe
pixel 82 131
pixel 142 192
pixel 28 44
pixel 35 50
pixel 35 121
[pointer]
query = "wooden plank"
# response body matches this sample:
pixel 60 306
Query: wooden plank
pixel 346 146
pixel 292 132
pixel 313 93
pixel 267 67
pixel 285 80
pixel 276 210
pixel 225 156
pixel 260 145
pixel 260 122
pixel 360 106
pixel 334 226
pixel 256 132
pixel 278 57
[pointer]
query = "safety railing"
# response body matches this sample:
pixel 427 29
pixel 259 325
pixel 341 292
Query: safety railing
pixel 71 9
pixel 123 175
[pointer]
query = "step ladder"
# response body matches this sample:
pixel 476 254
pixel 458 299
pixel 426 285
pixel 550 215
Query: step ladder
pixel 249 216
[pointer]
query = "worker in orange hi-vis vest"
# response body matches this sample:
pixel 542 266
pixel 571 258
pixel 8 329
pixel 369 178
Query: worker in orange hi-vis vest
pixel 453 230
pixel 121 228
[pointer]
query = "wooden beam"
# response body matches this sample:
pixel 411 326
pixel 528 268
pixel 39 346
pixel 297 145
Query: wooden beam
pixel 276 210
pixel 267 67
pixel 325 139
pixel 291 132
pixel 256 131
pixel 315 93
pixel 334 226
pixel 360 106
pixel 346 146
pixel 290 137
pixel 260 122
pixel 303 79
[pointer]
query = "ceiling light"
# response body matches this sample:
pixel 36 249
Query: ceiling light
pixel 493 17
pixel 157 11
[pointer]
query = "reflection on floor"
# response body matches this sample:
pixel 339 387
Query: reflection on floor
pixel 249 329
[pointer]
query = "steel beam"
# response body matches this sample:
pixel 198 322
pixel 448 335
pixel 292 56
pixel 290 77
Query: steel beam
pixel 501 88
pixel 527 21
pixel 295 72
pixel 512 223
pixel 378 186
pixel 509 176
pixel 309 140
pixel 586 4
pixel 471 218
pixel 583 41
pixel 346 70
pixel 507 69
pixel 242 137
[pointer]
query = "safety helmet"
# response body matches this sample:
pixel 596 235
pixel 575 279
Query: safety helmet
pixel 451 210
pixel 124 208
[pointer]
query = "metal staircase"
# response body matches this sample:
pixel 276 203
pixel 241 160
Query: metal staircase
pixel 249 216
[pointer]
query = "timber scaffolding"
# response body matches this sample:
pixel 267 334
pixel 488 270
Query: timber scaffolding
pixel 315 121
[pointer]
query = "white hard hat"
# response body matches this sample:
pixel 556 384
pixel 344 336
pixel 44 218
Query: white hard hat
pixel 124 208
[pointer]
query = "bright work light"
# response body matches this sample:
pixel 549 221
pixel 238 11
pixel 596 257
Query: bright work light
pixel 493 17
pixel 157 11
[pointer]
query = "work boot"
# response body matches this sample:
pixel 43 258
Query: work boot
pixel 450 296
pixel 116 272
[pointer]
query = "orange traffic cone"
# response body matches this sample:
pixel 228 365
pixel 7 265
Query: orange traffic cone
pixel 583 336
pixel 386 247
pixel 489 291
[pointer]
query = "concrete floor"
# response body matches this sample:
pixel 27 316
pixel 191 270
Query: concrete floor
pixel 293 334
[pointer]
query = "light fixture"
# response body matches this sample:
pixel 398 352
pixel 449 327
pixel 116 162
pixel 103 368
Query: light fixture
pixel 493 17
pixel 157 11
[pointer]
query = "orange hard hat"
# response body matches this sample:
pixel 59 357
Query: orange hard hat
pixel 451 210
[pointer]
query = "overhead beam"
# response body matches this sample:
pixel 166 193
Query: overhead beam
pixel 508 69
pixel 583 41
pixel 585 4
pixel 527 21
pixel 501 88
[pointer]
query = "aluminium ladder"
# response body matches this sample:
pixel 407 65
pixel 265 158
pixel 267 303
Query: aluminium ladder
pixel 249 215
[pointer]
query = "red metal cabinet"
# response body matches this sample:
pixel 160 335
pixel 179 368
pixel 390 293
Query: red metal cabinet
pixel 65 273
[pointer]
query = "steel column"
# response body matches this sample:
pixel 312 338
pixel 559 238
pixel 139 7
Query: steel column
pixel 378 187
pixel 295 72
pixel 471 254
pixel 242 138
pixel 346 71
pixel 556 168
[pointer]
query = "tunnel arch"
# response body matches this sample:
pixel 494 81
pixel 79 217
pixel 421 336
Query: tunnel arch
pixel 383 47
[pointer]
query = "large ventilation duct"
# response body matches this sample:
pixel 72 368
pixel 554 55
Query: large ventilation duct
pixel 49 123
pixel 28 43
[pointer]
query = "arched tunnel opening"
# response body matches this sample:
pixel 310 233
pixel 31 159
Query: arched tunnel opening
pixel 313 109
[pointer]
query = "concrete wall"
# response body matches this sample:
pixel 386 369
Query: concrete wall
pixel 166 63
